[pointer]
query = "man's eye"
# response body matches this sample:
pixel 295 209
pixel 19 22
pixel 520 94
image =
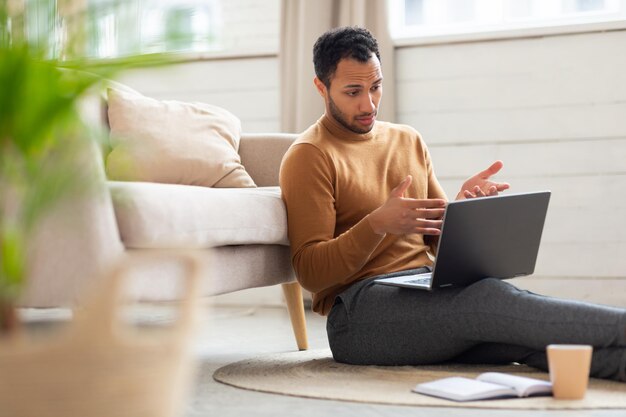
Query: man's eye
pixel 352 93
pixel 376 87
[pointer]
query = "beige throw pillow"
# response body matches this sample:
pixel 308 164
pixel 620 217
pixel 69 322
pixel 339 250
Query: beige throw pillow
pixel 173 142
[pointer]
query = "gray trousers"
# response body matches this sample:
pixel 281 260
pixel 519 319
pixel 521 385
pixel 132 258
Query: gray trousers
pixel 490 321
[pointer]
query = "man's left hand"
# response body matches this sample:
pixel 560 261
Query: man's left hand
pixel 480 186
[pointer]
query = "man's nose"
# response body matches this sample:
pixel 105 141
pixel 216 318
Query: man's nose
pixel 367 104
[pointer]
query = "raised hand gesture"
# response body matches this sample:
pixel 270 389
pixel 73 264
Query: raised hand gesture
pixel 480 186
pixel 400 215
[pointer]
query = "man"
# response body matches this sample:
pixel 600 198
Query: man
pixel 363 201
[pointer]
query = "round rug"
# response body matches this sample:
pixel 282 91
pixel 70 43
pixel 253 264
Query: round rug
pixel 314 374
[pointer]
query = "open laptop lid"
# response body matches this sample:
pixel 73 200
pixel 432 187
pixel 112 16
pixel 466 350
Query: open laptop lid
pixel 495 237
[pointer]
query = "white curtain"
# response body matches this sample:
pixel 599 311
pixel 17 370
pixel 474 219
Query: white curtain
pixel 302 22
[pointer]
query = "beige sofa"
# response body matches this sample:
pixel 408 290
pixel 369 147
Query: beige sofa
pixel 241 233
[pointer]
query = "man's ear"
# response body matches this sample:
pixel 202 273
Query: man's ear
pixel 321 88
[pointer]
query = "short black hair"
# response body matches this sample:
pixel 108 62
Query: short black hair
pixel 339 43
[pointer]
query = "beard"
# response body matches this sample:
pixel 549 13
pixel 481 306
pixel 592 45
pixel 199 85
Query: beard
pixel 341 118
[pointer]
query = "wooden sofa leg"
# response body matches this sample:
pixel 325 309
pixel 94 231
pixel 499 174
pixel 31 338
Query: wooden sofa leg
pixel 295 305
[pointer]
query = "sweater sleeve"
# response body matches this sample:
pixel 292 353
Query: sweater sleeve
pixel 320 259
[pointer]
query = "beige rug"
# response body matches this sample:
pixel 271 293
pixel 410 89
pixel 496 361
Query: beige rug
pixel 314 374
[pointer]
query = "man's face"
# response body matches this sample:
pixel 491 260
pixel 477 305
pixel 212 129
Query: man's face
pixel 354 94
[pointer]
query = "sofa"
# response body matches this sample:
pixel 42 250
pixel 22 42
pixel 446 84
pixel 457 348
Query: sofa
pixel 240 234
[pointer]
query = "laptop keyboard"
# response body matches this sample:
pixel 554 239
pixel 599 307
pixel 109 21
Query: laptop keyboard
pixel 421 281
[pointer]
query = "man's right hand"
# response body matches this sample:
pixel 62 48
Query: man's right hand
pixel 401 215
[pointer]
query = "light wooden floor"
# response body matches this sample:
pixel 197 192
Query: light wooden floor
pixel 234 333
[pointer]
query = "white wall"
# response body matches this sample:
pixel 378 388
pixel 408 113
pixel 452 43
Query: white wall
pixel 247 86
pixel 241 75
pixel 554 110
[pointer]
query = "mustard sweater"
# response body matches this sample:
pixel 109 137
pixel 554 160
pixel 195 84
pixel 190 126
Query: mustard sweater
pixel 331 179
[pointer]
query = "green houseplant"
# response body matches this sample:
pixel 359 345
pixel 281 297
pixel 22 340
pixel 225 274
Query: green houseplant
pixel 41 131
pixel 43 141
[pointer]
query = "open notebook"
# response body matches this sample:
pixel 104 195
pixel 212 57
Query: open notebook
pixel 485 386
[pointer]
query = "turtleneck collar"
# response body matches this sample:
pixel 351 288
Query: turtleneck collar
pixel 341 132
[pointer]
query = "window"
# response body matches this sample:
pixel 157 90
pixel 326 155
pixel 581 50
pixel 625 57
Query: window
pixel 428 18
pixel 114 28
pixel 120 28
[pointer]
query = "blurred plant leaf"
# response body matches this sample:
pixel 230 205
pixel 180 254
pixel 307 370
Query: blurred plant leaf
pixel 42 137
pixel 12 263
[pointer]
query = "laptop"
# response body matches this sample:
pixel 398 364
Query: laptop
pixel 495 237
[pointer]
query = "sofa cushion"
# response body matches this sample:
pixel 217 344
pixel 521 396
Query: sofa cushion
pixel 173 142
pixel 151 215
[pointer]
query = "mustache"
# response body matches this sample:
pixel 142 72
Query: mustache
pixel 366 115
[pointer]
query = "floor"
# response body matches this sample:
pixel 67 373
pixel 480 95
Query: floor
pixel 230 334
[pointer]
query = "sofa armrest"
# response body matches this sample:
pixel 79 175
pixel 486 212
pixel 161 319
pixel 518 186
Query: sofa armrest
pixel 74 244
pixel 261 155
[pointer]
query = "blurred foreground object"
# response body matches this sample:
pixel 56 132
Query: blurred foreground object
pixel 99 364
